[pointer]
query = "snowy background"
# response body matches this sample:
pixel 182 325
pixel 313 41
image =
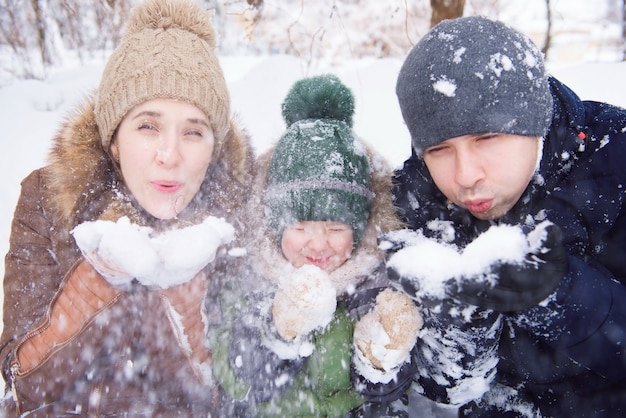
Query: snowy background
pixel 585 55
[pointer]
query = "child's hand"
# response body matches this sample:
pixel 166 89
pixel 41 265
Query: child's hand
pixel 386 335
pixel 304 302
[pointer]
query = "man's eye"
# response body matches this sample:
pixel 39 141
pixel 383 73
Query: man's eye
pixel 487 136
pixel 436 150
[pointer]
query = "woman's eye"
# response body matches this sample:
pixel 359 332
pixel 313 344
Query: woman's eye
pixel 148 126
pixel 197 133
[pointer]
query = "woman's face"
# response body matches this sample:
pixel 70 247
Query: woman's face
pixel 164 148
pixel 324 244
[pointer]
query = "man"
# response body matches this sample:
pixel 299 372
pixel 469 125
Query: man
pixel 504 152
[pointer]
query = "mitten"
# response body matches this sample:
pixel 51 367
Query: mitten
pixel 386 335
pixel 305 301
pixel 514 286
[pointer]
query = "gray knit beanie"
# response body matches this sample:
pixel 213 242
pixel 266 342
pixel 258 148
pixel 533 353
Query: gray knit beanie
pixel 167 52
pixel 318 172
pixel 473 75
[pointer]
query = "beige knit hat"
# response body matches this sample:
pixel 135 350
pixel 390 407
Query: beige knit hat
pixel 166 51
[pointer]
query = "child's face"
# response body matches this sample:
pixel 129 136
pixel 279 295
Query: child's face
pixel 324 244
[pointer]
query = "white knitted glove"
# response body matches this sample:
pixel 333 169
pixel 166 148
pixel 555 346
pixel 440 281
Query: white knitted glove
pixel 182 253
pixel 121 251
pixel 385 336
pixel 304 302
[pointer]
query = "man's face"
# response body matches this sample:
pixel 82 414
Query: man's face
pixel 483 173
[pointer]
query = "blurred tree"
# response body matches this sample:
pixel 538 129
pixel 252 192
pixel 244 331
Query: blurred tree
pixel 445 9
pixel 257 4
pixel 623 30
pixel 548 40
pixel 42 33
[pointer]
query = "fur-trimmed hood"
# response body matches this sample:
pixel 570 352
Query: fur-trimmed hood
pixel 266 256
pixel 86 184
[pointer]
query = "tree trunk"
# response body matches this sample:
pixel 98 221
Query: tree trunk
pixel 548 41
pixel 446 9
pixel 623 30
pixel 40 24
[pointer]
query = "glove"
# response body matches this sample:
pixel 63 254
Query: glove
pixel 521 285
pixel 386 335
pixel 182 253
pixel 420 266
pixel 502 269
pixel 119 251
pixel 304 302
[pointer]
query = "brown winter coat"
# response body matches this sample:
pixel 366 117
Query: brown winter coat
pixel 83 346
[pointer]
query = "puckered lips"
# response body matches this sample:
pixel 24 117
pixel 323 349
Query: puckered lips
pixel 478 205
pixel 166 186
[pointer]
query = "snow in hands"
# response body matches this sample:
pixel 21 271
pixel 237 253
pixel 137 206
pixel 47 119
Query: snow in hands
pixel 160 260
pixel 430 264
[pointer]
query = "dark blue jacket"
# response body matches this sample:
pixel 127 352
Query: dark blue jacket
pixel 566 356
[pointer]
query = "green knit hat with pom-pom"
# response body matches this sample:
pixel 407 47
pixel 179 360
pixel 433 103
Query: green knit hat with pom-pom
pixel 318 171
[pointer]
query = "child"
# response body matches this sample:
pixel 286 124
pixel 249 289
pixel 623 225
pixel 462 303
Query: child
pixel 315 266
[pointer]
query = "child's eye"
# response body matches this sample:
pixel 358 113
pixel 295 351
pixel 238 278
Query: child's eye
pixel 297 227
pixel 338 228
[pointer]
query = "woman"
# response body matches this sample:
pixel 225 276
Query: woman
pixel 116 243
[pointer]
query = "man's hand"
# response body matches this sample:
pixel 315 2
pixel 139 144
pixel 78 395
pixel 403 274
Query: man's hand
pixel 502 269
pixel 518 286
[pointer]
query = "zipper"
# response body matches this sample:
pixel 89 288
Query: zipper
pixel 14 370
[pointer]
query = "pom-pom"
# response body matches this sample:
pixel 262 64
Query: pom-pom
pixel 320 97
pixel 172 14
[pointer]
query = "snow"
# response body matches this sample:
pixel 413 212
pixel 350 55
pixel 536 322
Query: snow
pixel 33 110
pixel 431 264
pixel 162 260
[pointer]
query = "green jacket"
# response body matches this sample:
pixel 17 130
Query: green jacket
pixel 322 388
